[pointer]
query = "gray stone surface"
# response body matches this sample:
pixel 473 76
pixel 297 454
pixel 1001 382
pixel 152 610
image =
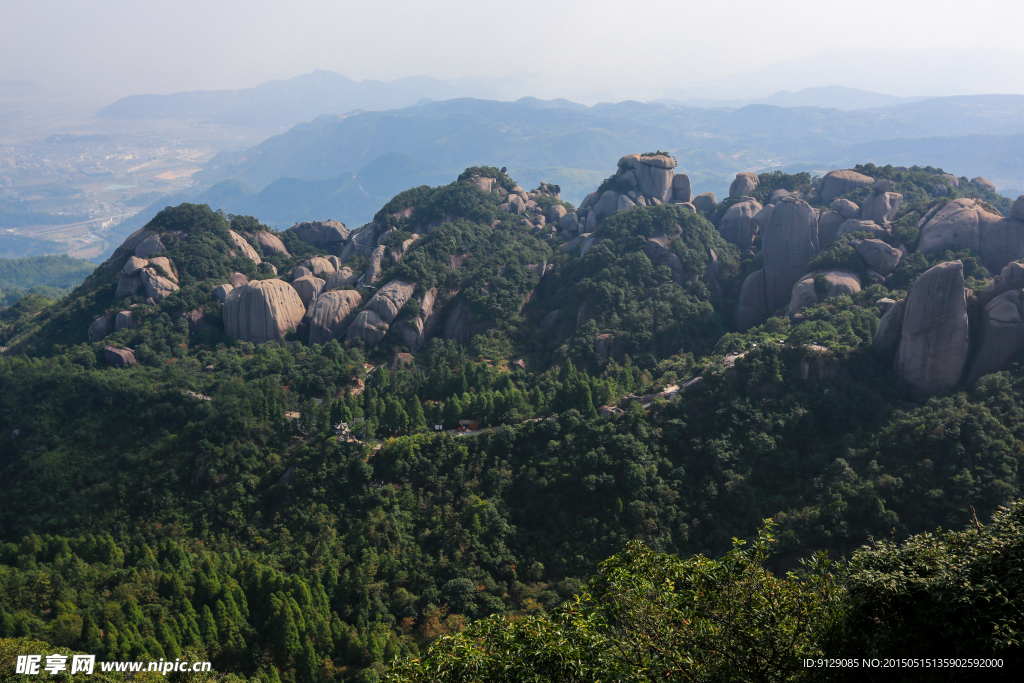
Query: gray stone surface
pixel 1017 210
pixel 967 223
pixel 681 192
pixel 840 182
pixel 328 235
pixel 343 278
pixel 846 208
pixel 157 287
pixel 320 266
pixel 99 328
pixel 390 298
pixel 705 202
pixel 149 246
pixel 738 225
pixel 870 227
pixel 934 343
pixel 805 292
pixel 119 358
pixel 270 243
pixel 331 314
pixel 220 292
pixel 983 184
pixel 890 328
pixel 879 256
pixel 881 207
pixel 243 248
pixel 262 311
pixel 308 287
pixel 829 223
pixel 752 309
pixel 133 264
pixel 789 242
pixel 368 327
pixel 1001 334
pixel 126 320
pixel 744 184
pixel 1011 277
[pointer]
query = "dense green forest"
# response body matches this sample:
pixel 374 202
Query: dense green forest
pixel 205 501
pixel 48 276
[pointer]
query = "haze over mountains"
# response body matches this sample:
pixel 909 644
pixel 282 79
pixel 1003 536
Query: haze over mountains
pixel 344 166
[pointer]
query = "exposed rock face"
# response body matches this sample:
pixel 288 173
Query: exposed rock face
pixel 951 179
pixel 129 285
pixel 368 327
pixel 603 345
pixel 417 330
pixel 457 327
pixel 607 204
pixel 550 319
pixel 870 227
pixel 300 271
pixel 574 243
pixel 125 320
pixel 569 222
pixel 361 243
pixel 149 246
pixel 320 266
pixel 99 329
pixel 328 235
pixel 162 263
pixel 1011 277
pixel 836 183
pixel 1017 210
pixel 556 213
pixel 119 358
pixel 157 287
pixel 652 175
pixel 343 278
pixel 879 256
pixel 983 184
pixel 398 252
pixel 968 223
pixel 738 225
pixel 881 207
pixel 220 292
pixel 331 314
pixel 388 301
pixel 262 311
pixel 1001 336
pixel 763 216
pixel 745 183
pixel 134 263
pixel 890 327
pixel 127 248
pixel 270 243
pixel 244 248
pixel 681 192
pixel 788 244
pixel 934 342
pixel 846 208
pixel 828 227
pixel 705 202
pixel 373 273
pixel 940 190
pixel 752 308
pixel 239 279
pixel 308 288
pixel 805 292
pixel 196 321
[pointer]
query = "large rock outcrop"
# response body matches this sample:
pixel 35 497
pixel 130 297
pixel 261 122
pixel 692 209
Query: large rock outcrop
pixel 127 248
pixel 744 184
pixel 681 192
pixel 416 330
pixel 368 327
pixel 390 298
pixel 374 271
pixel 331 314
pixel 1017 210
pixel 343 278
pixel 330 236
pixel 308 287
pixel 879 256
pixel 934 342
pixel 1011 277
pixel 753 307
pixel 157 286
pixel 970 223
pixel 99 328
pixel 829 223
pixel 788 244
pixel 738 225
pixel 320 266
pixel 836 183
pixel 270 243
pixel 262 311
pixel 806 292
pixel 150 246
pixel 705 202
pixel 243 248
pixel 890 328
pixel 881 207
pixel 1001 334
pixel 119 358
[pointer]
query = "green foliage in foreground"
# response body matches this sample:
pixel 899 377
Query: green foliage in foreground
pixel 648 616
pixel 46 271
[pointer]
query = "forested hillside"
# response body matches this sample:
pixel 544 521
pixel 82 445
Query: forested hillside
pixel 324 453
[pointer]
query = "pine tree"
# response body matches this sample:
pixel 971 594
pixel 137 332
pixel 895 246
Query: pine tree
pixel 91 639
pixel 208 628
pixel 414 410
pixel 452 412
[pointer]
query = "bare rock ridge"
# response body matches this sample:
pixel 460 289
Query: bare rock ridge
pixel 331 314
pixel 262 311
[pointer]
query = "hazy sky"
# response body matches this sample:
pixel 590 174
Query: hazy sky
pixel 112 48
